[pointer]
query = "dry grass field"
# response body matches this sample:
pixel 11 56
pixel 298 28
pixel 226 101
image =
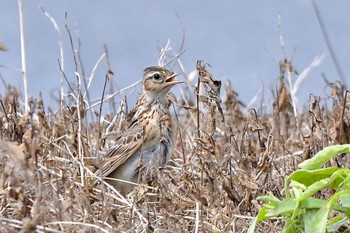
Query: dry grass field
pixel 226 156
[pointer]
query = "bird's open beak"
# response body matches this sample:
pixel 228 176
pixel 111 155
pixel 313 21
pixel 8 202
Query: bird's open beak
pixel 169 81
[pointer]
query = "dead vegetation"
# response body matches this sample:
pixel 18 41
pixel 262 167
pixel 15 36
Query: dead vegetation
pixel 225 158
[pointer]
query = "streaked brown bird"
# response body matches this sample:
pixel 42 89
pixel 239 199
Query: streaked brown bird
pixel 149 140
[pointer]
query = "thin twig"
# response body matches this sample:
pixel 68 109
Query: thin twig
pixel 23 56
pixel 61 60
pixel 19 224
pixel 11 68
pixel 3 108
pixel 316 62
pixel 92 75
pixel 81 62
pixel 87 93
pixel 197 218
pixel 111 80
pixel 329 44
pixel 71 42
pixel 342 115
pixel 114 94
pixel 80 224
pixel 293 96
pixel 100 113
pixel 80 146
pixel 180 136
pixel 65 77
pixel 198 112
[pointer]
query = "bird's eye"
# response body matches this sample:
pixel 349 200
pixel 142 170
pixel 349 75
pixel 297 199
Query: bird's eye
pixel 156 76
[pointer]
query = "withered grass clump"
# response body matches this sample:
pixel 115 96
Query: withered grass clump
pixel 225 158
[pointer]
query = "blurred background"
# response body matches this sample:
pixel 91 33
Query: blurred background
pixel 241 40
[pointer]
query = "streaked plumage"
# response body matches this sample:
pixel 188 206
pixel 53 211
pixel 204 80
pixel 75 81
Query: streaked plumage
pixel 150 138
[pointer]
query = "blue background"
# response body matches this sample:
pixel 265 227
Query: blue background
pixel 239 39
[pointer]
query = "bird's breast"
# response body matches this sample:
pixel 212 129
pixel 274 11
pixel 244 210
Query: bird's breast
pixel 159 122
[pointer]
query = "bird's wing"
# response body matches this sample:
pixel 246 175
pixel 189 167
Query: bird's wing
pixel 126 145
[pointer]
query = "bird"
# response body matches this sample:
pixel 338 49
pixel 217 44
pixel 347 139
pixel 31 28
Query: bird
pixel 149 139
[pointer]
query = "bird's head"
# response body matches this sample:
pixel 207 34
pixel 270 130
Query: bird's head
pixel 157 81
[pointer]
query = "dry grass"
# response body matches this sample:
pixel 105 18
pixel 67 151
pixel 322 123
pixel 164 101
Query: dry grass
pixel 223 161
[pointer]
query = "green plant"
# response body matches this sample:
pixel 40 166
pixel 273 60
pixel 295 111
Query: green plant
pixel 300 209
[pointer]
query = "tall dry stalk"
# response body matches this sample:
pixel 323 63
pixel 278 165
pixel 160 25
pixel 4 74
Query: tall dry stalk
pixel 23 56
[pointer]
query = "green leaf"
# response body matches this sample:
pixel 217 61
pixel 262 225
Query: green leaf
pixel 335 223
pixel 324 156
pixel 338 178
pixel 271 199
pixel 260 217
pixel 308 177
pixel 297 185
pixel 346 182
pixel 286 206
pixel 290 226
pixel 308 217
pixel 345 200
pixel 314 188
pixel 312 203
pixel 297 189
pixel 320 221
